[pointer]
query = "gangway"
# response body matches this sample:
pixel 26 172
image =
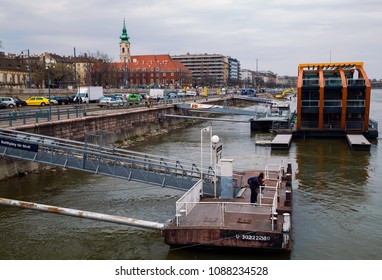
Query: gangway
pixel 110 161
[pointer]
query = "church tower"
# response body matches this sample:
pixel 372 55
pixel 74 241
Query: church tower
pixel 124 45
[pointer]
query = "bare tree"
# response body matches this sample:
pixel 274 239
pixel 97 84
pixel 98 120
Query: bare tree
pixel 101 70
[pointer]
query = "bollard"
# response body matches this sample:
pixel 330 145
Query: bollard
pixel 274 221
pixel 288 198
pixel 286 224
pixel 177 219
pixel 289 168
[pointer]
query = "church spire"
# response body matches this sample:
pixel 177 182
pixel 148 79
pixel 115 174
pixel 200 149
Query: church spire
pixel 124 45
pixel 124 37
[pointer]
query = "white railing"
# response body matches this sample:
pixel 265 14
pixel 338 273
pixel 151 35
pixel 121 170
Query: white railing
pixel 311 82
pixel 333 103
pixel 190 198
pixel 310 103
pixel 356 82
pixel 212 213
pixel 355 103
pixel 333 82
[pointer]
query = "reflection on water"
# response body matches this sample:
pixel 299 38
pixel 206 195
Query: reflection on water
pixel 336 202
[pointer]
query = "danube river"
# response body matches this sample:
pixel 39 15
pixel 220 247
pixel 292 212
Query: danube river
pixel 336 201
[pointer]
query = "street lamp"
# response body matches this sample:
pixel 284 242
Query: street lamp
pixel 124 73
pixel 214 140
pixel 48 63
pixel 206 129
pixel 29 68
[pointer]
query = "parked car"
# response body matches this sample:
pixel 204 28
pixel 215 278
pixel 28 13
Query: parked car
pixel 37 101
pixel 61 99
pixel 171 95
pixel 52 101
pixel 134 97
pixel 19 102
pixel 109 101
pixel 181 93
pixel 3 105
pixel 191 93
pixel 9 101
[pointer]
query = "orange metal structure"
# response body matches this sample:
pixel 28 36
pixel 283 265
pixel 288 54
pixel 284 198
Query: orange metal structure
pixel 333 96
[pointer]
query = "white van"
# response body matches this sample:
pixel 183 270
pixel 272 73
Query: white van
pixel 156 93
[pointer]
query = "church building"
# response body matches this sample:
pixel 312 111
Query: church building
pixel 150 70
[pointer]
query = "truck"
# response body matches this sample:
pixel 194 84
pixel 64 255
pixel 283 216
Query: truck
pixel 156 93
pixel 88 94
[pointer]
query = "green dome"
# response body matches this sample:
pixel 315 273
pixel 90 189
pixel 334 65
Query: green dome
pixel 124 37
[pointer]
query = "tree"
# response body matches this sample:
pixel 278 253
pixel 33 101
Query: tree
pixel 101 70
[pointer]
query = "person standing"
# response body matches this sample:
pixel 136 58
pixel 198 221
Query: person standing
pixel 254 184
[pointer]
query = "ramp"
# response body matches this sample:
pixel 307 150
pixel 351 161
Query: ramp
pixel 110 161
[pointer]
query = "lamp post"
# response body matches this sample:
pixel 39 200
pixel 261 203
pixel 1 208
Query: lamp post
pixel 214 140
pixel 124 73
pixel 48 65
pixel 29 68
pixel 206 129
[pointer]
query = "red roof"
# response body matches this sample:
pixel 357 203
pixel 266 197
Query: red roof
pixel 146 62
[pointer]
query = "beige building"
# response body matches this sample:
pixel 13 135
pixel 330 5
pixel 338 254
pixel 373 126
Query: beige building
pixel 13 72
pixel 206 69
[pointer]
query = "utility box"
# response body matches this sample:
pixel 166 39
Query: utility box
pixel 226 173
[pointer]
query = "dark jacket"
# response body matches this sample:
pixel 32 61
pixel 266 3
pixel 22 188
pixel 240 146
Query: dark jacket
pixel 254 183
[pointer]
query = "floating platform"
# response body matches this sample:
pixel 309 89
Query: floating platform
pixel 264 139
pixel 235 223
pixel 281 142
pixel 358 142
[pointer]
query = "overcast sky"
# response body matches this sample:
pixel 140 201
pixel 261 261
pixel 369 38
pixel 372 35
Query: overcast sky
pixel 274 35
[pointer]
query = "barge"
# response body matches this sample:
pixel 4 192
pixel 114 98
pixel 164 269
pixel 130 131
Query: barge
pixel 233 222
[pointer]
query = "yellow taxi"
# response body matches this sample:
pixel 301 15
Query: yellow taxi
pixel 37 101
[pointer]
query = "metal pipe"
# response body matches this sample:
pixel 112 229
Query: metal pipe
pixel 82 214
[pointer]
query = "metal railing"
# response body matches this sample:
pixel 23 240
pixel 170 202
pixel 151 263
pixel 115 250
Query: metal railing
pixel 217 209
pixel 354 125
pixel 355 103
pixel 332 103
pixel 310 103
pixel 311 82
pixel 18 117
pixel 373 124
pixel 356 82
pixel 333 81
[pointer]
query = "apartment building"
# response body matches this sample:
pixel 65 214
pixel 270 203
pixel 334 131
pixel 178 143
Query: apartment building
pixel 210 69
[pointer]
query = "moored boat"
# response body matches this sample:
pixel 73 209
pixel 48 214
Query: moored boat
pixel 235 223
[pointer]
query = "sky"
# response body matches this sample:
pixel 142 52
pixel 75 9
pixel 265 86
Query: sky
pixel 264 35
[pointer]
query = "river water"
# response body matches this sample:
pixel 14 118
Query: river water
pixel 336 201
